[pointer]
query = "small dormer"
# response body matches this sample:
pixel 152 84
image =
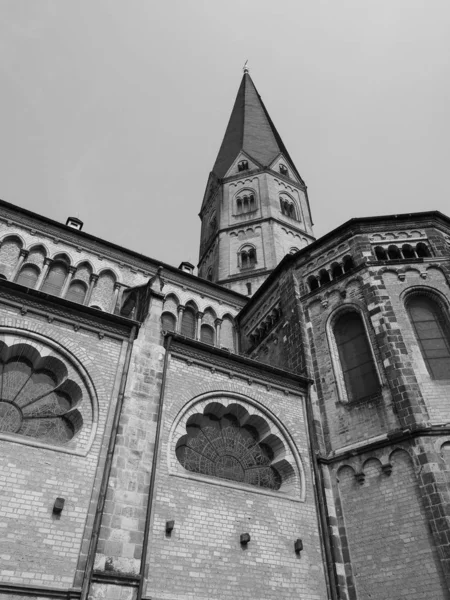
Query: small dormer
pixel 187 267
pixel 74 223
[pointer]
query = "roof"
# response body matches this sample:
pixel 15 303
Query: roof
pixel 250 129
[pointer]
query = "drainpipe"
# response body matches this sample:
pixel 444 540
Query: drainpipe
pixel 151 491
pixel 321 501
pixel 107 471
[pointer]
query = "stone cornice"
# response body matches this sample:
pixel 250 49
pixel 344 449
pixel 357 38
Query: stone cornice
pixel 236 365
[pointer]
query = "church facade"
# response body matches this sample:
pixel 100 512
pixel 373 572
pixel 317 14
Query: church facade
pixel 276 427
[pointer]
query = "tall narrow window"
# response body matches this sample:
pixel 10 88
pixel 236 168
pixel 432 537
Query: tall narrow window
pixel 188 323
pixel 358 368
pixel 28 276
pixel 432 329
pixel 55 279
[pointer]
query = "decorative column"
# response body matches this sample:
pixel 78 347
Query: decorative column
pixel 116 294
pixel 180 317
pixel 198 325
pixel 69 278
pixel 92 281
pixel 218 324
pixel 47 264
pixel 22 256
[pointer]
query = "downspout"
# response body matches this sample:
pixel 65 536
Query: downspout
pixel 151 490
pixel 107 470
pixel 321 501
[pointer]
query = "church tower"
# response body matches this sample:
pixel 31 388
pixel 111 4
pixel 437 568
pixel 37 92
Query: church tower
pixel 255 209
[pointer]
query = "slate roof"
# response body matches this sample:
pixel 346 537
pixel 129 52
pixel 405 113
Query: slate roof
pixel 250 129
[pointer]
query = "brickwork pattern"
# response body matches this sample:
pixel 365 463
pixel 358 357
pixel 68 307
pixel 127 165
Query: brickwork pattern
pixel 33 477
pixel 203 553
pixel 390 549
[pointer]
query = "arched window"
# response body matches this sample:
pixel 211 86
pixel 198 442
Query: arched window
pixel 380 253
pixel 393 253
pixel 422 250
pixel 28 276
pixel 348 264
pixel 245 202
pixel 432 329
pixel 313 283
pixel 243 165
pixel 168 321
pixel 188 322
pixel 283 169
pixel 324 277
pixel 408 251
pixel 55 279
pixel 355 356
pixel 288 209
pixel 77 292
pixel 207 334
pixel 336 270
pixel 247 257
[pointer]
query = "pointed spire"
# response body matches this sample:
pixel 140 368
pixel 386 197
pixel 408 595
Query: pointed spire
pixel 250 129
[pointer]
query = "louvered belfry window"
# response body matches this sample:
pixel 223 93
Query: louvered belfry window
pixel 28 276
pixel 55 279
pixel 358 368
pixel 188 323
pixel 76 292
pixel 432 329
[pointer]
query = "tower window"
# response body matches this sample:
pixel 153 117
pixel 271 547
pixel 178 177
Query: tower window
pixel 355 356
pixel 432 329
pixel 288 208
pixel 245 203
pixel 283 169
pixel 243 165
pixel 247 257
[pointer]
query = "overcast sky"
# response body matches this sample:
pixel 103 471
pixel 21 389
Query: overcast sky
pixel 114 110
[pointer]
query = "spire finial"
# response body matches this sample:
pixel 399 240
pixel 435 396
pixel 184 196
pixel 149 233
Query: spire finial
pixel 246 69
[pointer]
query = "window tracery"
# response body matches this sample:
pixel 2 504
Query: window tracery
pixel 227 442
pixel 38 398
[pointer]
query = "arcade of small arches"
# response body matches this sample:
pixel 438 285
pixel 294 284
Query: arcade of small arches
pixel 57 276
pixel 265 326
pixel 204 326
pixel 404 252
pixel 331 273
pixel 245 202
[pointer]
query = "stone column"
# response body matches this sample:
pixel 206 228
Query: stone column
pixel 218 324
pixel 22 256
pixel 92 281
pixel 69 278
pixel 180 317
pixel 47 263
pixel 198 325
pixel 116 294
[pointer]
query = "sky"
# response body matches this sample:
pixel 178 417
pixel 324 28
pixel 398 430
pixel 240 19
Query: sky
pixel 113 111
